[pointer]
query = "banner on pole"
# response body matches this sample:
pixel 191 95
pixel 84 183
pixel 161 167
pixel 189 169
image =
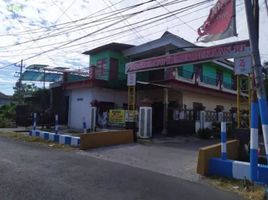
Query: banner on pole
pixel 220 23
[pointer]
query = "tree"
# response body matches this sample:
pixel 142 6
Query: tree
pixel 23 90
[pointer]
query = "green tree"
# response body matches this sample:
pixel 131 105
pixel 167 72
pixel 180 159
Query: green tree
pixel 23 90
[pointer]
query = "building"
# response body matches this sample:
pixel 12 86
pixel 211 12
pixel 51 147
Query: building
pixel 105 85
pixel 209 86
pixel 4 99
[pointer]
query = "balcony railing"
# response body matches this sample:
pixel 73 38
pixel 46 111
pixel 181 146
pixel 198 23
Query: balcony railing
pixel 185 74
pixel 209 80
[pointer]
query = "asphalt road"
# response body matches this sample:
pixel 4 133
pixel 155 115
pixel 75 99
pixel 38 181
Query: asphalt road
pixel 30 171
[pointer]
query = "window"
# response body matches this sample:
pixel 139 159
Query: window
pixel 101 67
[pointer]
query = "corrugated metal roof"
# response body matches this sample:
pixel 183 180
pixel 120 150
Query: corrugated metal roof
pixel 30 75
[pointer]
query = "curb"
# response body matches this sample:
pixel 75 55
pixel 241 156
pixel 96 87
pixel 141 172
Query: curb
pixel 61 139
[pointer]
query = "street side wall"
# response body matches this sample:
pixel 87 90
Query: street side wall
pixel 80 100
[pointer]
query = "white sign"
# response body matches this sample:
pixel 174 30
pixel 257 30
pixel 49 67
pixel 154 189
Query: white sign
pixel 131 79
pixel 243 65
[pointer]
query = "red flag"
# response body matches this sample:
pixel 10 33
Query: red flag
pixel 220 23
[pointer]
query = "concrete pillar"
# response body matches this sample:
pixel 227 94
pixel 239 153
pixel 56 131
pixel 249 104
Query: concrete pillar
pixel 93 116
pixel 145 122
pixel 220 116
pixel 84 125
pixel 202 119
pixel 165 112
pixel 34 121
pixel 56 124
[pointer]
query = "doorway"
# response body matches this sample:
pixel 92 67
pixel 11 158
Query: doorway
pixel 157 117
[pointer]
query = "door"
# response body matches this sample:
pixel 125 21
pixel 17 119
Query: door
pixel 157 117
pixel 114 69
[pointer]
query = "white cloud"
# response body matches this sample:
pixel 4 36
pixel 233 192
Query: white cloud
pixel 33 14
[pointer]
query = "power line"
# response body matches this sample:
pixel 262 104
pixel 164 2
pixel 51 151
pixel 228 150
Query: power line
pixel 64 32
pixel 91 16
pixel 193 11
pixel 177 17
pixel 155 17
pixel 62 24
pixel 142 25
pixel 80 39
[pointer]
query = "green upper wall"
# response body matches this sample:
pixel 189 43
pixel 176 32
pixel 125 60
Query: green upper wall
pixel 94 58
pixel 107 55
pixel 122 62
pixel 209 69
pixel 209 73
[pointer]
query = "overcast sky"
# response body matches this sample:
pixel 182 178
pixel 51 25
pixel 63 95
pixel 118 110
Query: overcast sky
pixel 31 27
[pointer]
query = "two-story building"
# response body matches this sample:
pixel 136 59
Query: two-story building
pixel 205 85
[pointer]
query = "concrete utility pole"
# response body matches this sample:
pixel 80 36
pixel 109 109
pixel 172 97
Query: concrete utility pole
pixel 20 81
pixel 252 20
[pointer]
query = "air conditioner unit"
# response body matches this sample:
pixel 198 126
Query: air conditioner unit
pixel 93 114
pixel 145 122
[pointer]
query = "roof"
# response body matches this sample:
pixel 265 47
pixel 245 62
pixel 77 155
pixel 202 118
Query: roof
pixel 3 96
pixel 37 66
pixel 111 46
pixel 166 41
pixel 30 75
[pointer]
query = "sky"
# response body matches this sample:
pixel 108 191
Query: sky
pixel 56 32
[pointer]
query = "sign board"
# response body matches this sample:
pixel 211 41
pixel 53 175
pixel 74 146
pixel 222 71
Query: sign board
pixel 229 50
pixel 243 65
pixel 117 116
pixel 131 79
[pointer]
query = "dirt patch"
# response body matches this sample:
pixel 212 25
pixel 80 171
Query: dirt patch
pixel 241 187
pixel 26 138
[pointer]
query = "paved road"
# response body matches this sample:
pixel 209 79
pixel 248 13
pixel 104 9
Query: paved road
pixel 176 156
pixel 33 172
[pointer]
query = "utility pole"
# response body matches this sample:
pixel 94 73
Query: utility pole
pixel 252 20
pixel 20 81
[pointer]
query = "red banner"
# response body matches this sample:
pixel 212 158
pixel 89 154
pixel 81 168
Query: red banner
pixel 229 50
pixel 220 23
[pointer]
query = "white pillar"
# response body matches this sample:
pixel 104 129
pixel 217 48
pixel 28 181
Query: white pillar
pixel 93 116
pixel 145 122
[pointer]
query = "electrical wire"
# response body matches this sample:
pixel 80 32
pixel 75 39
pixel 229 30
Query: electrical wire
pixel 62 24
pixel 64 32
pixel 193 11
pixel 68 42
pixel 155 17
pixel 91 16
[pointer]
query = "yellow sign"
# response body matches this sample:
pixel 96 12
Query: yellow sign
pixel 116 116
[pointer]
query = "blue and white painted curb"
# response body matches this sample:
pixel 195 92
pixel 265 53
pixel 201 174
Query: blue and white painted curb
pixel 236 169
pixel 58 138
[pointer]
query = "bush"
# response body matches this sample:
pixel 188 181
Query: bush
pixel 5 123
pixel 205 133
pixel 7 115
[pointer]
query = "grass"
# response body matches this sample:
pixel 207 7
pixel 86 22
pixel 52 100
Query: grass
pixel 243 188
pixel 26 138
